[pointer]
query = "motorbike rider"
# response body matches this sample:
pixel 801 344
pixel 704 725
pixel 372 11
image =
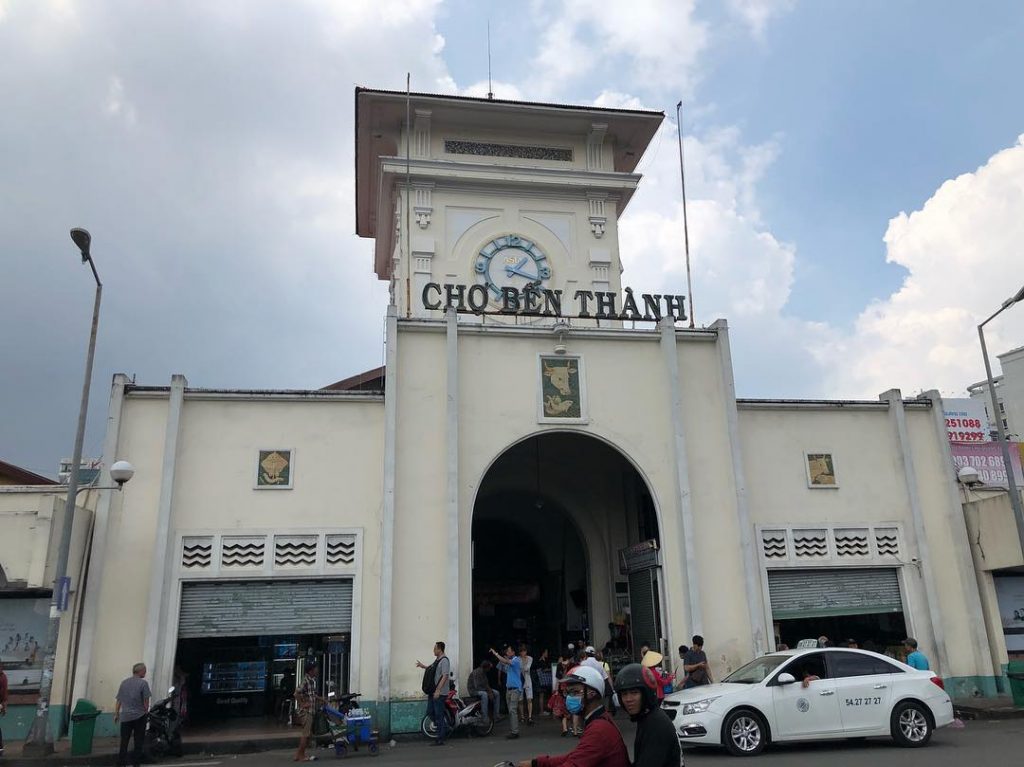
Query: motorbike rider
pixel 655 743
pixel 601 743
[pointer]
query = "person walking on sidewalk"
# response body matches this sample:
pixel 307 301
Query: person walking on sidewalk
pixel 3 703
pixel 130 711
pixel 513 686
pixel 437 698
pixel 306 701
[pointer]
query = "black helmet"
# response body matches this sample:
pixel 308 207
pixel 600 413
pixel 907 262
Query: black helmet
pixel 637 677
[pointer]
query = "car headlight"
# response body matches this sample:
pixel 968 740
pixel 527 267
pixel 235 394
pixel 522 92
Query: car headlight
pixel 698 706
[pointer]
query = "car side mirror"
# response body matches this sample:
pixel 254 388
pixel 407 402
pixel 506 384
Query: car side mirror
pixel 785 678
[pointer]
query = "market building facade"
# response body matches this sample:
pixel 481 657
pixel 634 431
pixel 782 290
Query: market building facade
pixel 546 456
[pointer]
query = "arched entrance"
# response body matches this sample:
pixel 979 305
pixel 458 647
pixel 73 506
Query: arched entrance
pixel 565 549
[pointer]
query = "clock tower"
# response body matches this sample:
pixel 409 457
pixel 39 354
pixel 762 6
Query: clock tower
pixel 462 192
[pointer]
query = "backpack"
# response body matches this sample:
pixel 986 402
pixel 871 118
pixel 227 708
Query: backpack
pixel 429 685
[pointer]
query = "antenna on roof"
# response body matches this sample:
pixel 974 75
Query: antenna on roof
pixel 686 230
pixel 490 92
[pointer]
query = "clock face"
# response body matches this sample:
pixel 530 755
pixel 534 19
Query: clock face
pixel 511 262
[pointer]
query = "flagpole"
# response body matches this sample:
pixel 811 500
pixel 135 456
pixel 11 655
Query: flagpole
pixel 686 229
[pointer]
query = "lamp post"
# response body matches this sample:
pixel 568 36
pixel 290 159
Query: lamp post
pixel 1011 482
pixel 39 741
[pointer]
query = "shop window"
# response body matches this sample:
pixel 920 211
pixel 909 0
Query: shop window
pixel 847 664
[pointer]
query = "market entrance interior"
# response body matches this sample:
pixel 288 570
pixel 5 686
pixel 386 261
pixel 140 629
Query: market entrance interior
pixel 552 519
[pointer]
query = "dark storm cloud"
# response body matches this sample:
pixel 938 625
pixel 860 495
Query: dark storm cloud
pixel 208 148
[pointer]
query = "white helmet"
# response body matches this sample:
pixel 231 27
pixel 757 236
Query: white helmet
pixel 589 650
pixel 588 676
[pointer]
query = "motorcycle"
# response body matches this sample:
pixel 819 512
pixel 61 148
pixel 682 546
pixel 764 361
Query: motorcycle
pixel 163 728
pixel 461 715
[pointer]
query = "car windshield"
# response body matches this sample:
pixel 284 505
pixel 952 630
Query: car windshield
pixel 757 670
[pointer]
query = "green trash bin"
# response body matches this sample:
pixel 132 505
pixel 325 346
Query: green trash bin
pixel 1015 670
pixel 83 727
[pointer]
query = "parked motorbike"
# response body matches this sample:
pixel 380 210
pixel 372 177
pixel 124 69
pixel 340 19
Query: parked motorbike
pixel 163 728
pixel 461 715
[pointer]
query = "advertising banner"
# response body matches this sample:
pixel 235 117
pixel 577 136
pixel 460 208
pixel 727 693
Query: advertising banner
pixel 23 624
pixel 1010 596
pixel 987 459
pixel 965 420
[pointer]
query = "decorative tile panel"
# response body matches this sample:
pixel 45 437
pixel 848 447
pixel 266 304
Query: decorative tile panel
pixel 852 543
pixel 295 550
pixel 487 149
pixel 810 544
pixel 341 550
pixel 242 551
pixel 773 544
pixel 887 541
pixel 197 552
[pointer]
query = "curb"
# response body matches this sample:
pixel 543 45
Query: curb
pixel 977 712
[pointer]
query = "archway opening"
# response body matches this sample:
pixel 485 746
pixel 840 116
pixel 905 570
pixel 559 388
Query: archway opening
pixel 566 549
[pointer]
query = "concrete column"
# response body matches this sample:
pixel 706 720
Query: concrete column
pixel 954 517
pixel 687 541
pixel 98 551
pixel 387 523
pixel 452 443
pixel 154 650
pixel 898 417
pixel 751 571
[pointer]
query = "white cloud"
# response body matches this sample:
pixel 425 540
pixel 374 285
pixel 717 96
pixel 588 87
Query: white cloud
pixel 756 14
pixel 962 250
pixel 117 105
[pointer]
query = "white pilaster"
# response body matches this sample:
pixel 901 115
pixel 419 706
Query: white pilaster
pixel 898 416
pixel 387 522
pixel 452 429
pixel 98 549
pixel 154 650
pixel 684 502
pixel 751 571
pixel 954 516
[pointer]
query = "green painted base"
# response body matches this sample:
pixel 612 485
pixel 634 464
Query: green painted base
pixel 19 719
pixel 973 686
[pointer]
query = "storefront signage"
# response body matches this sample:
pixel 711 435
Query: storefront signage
pixel 965 420
pixel 541 302
pixel 987 459
pixel 639 556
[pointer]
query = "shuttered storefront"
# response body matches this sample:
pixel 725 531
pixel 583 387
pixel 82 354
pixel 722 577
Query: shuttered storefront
pixel 255 608
pixel 643 607
pixel 822 593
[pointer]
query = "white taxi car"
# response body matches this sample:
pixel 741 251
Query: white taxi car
pixel 817 694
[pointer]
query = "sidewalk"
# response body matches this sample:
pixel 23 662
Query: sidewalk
pixel 1000 707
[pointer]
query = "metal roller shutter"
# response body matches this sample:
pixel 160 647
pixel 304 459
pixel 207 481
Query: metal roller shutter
pixel 253 608
pixel 642 618
pixel 821 593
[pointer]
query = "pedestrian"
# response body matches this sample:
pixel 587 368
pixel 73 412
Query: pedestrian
pixel 655 743
pixel 3 703
pixel 591 661
pixel 542 679
pixel 306 701
pixel 130 710
pixel 526 662
pixel 852 644
pixel 601 743
pixel 823 641
pixel 680 676
pixel 437 697
pixel 695 664
pixel 567 663
pixel 915 658
pixel 513 686
pixel 653 660
pixel 479 686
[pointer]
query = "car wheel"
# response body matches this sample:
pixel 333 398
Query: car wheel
pixel 744 733
pixel 911 725
pixel 428 728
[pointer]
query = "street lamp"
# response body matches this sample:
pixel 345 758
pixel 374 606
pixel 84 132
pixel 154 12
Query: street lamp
pixel 39 741
pixel 1011 482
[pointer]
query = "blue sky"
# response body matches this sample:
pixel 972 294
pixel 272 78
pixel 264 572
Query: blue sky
pixel 854 173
